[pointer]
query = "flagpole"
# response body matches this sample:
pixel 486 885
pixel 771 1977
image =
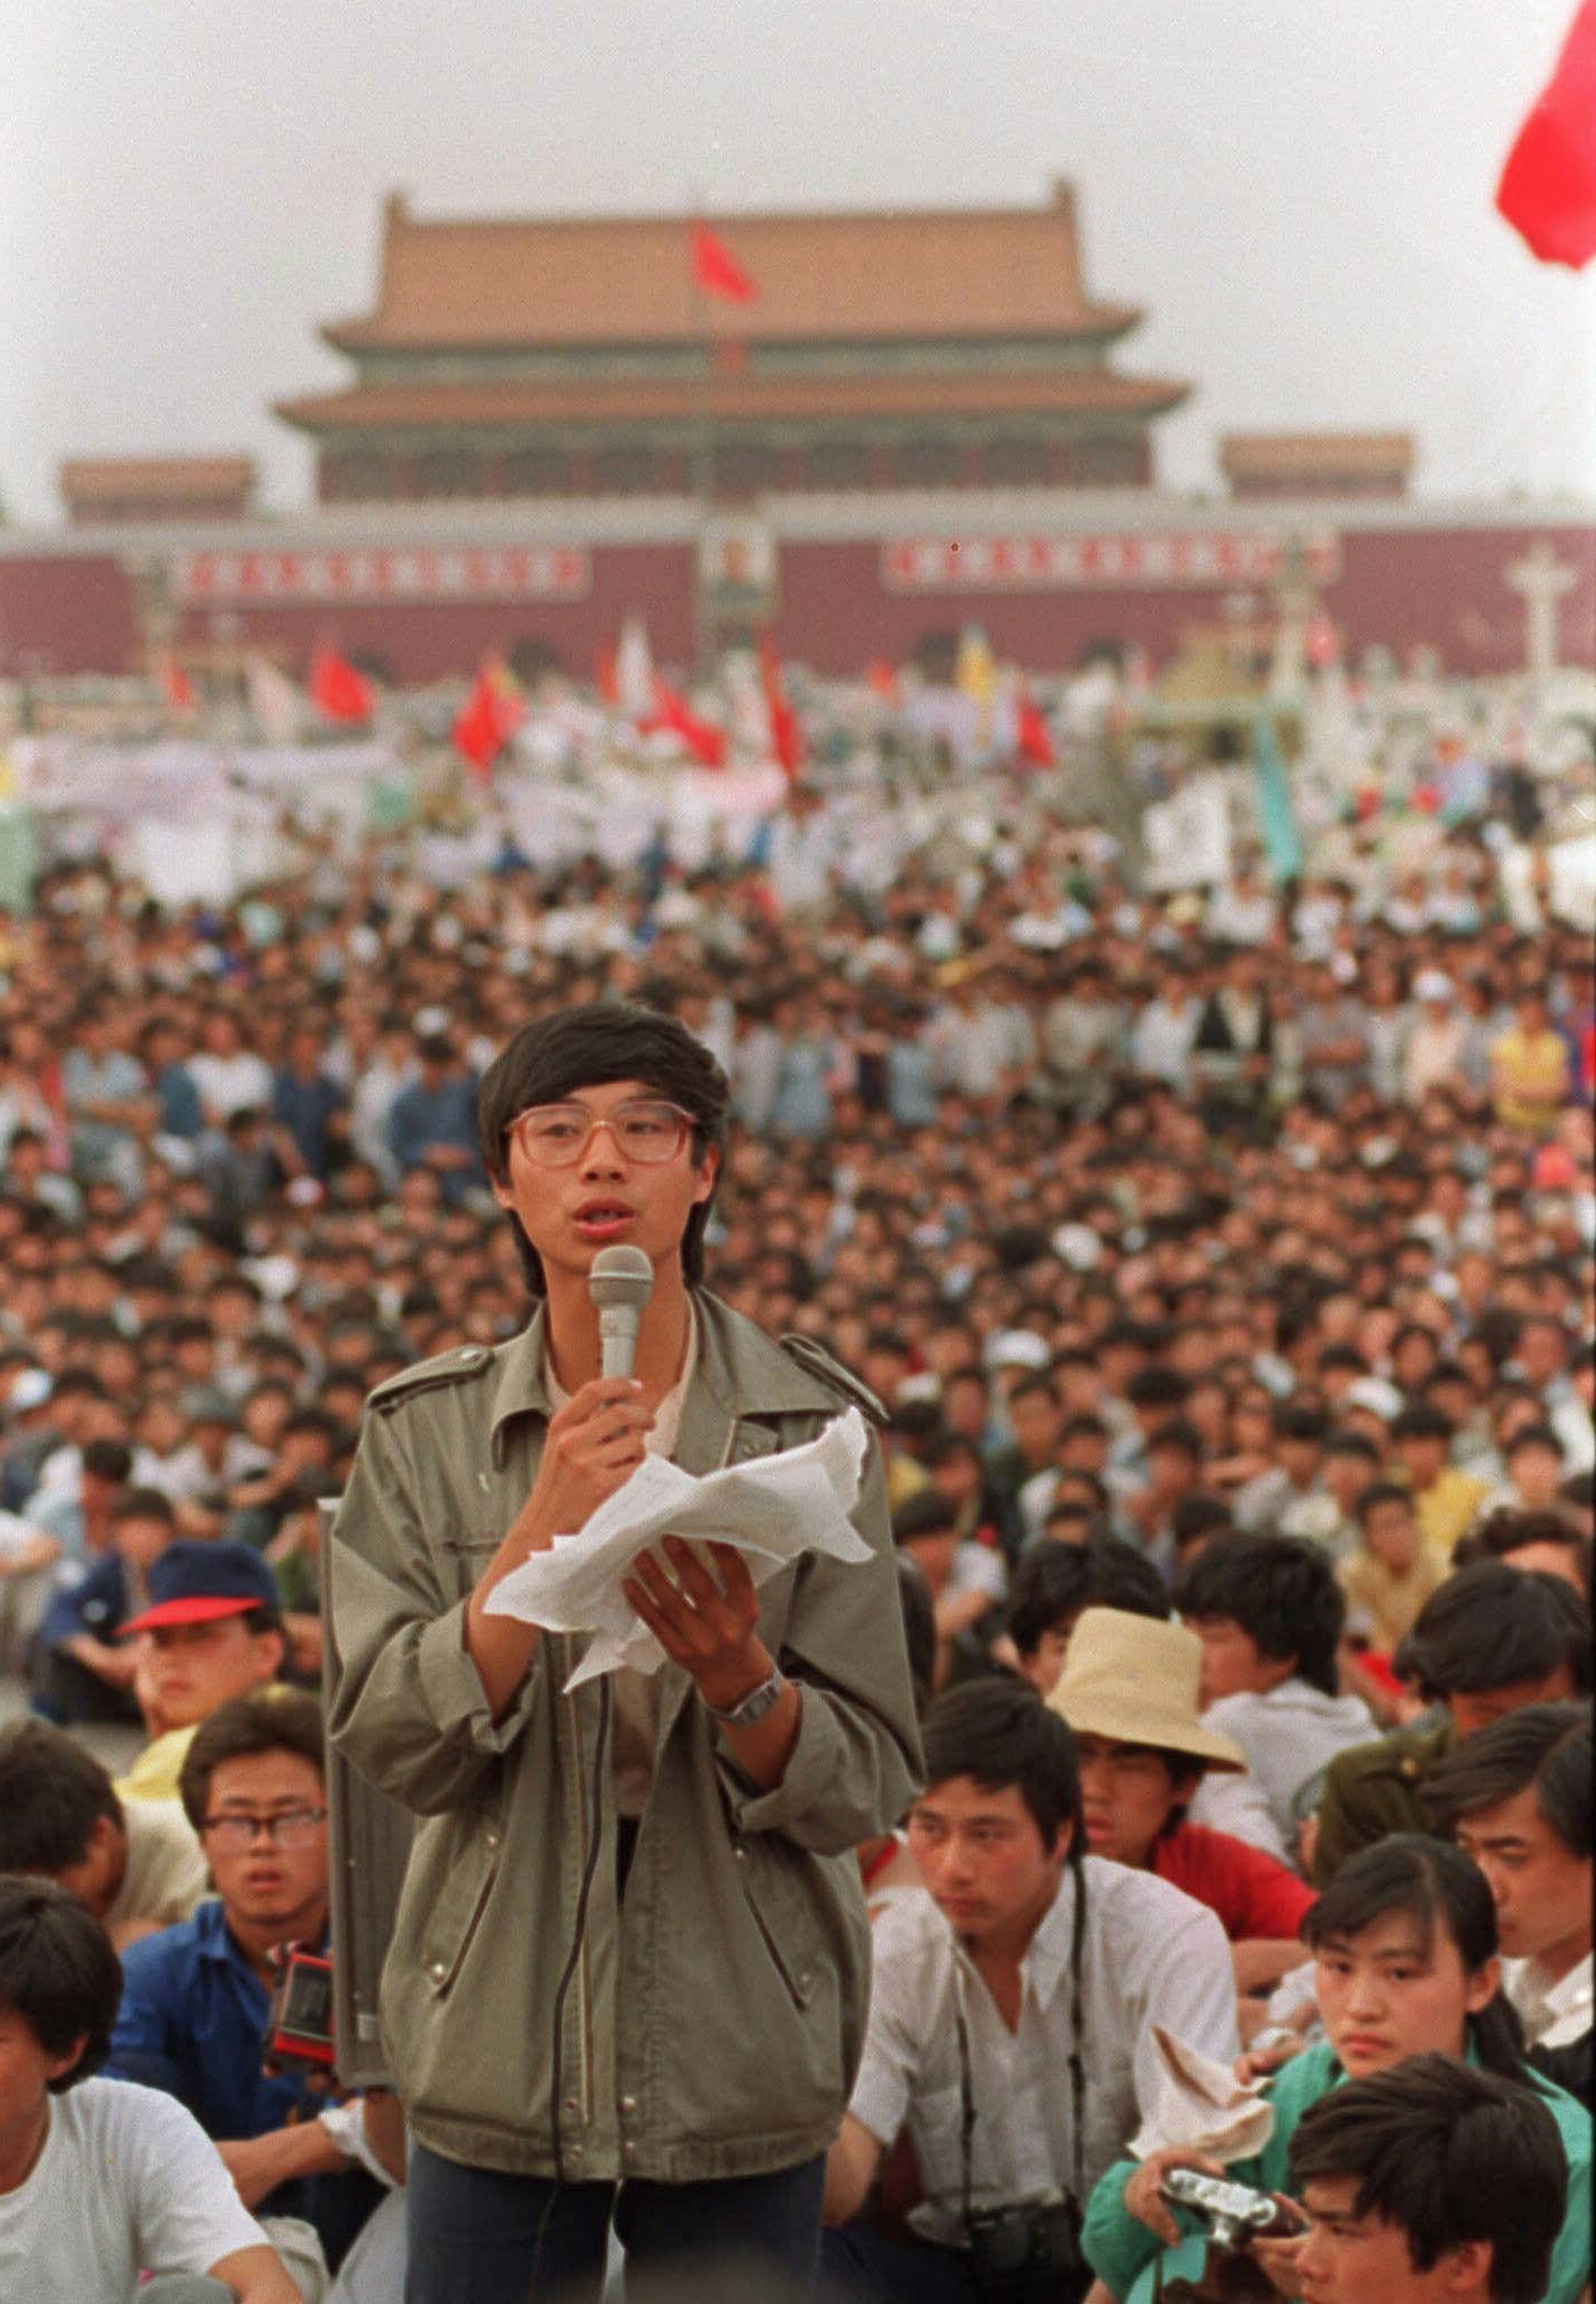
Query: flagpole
pixel 702 461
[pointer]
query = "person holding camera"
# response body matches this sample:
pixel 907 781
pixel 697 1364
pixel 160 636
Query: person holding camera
pixel 1406 1964
pixel 1429 2182
pixel 197 1999
pixel 1011 2019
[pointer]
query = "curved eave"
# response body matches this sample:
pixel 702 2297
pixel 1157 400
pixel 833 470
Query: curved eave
pixel 739 324
pixel 731 400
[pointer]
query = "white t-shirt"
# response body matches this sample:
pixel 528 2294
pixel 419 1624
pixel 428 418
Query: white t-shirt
pixel 128 2182
pixel 166 1872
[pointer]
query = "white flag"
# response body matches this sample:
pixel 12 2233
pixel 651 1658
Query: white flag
pixel 634 670
pixel 277 705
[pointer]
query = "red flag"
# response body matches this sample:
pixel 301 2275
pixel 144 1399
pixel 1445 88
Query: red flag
pixel 883 680
pixel 1548 190
pixel 488 720
pixel 1033 738
pixel 608 679
pixel 703 741
pixel 717 271
pixel 177 686
pixel 337 688
pixel 787 737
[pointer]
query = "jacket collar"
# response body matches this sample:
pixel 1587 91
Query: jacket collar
pixel 741 1372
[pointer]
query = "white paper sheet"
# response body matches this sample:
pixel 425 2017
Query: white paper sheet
pixel 771 1511
pixel 1203 2106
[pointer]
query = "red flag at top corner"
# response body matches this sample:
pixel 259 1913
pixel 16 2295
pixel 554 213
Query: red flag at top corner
pixel 337 688
pixel 717 271
pixel 1548 187
pixel 177 686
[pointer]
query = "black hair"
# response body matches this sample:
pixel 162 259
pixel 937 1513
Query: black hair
pixel 1177 1435
pixel 582 1047
pixel 58 1973
pixel 107 1460
pixel 1157 1387
pixel 52 1793
pixel 1448 2156
pixel 1378 1493
pixel 143 1503
pixel 279 1720
pixel 1199 1515
pixel 927 1513
pixel 1347 1442
pixel 1052 1582
pixel 1490 1626
pixel 1509 1529
pixel 999 1733
pixel 1534 1436
pixel 1281 1591
pixel 1434 1883
pixel 1545 1745
pixel 1294 1420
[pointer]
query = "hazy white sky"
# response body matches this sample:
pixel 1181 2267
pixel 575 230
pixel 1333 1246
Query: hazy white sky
pixel 1299 195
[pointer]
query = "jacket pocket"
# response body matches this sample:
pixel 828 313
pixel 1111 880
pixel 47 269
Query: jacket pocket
pixel 452 1896
pixel 791 1949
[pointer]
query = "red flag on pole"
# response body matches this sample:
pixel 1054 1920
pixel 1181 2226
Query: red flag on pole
pixel 702 738
pixel 337 688
pixel 177 686
pixel 606 677
pixel 488 720
pixel 1548 190
pixel 717 271
pixel 787 737
pixel 1033 738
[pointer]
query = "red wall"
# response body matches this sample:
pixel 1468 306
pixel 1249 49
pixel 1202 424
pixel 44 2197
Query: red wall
pixel 1443 588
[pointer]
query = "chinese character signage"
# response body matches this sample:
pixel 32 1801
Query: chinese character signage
pixel 1007 563
pixel 411 572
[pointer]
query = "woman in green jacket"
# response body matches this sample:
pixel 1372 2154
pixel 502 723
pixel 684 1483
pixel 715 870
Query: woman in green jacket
pixel 1404 1947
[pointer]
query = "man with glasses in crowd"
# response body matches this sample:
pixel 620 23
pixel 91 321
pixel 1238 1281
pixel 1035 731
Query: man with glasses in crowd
pixel 629 1966
pixel 195 2000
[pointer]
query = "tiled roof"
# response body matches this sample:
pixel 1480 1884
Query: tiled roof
pixel 1245 455
pixel 608 279
pixel 176 479
pixel 731 398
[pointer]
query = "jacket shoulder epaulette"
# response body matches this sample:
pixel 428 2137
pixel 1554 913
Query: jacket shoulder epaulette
pixel 816 1361
pixel 456 1365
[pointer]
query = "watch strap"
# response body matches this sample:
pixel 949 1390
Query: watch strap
pixel 752 1706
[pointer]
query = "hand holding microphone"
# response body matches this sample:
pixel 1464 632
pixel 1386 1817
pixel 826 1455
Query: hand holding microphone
pixel 596 1442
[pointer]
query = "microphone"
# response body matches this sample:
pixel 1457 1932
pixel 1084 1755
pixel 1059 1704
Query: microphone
pixel 621 1281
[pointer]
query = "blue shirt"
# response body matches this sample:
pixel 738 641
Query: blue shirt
pixel 192 2019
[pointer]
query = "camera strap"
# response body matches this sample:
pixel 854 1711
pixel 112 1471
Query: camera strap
pixel 1078 2070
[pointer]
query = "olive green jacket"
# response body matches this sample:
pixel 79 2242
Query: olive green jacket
pixel 713 2023
pixel 1372 1790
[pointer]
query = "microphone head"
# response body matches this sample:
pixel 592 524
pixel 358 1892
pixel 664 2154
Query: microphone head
pixel 620 1275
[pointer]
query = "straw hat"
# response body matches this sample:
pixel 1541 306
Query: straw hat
pixel 1136 1680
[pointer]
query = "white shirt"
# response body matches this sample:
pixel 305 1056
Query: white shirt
pixel 241 1082
pixel 166 1874
pixel 1555 2015
pixel 128 2182
pixel 1151 1956
pixel 1289 1735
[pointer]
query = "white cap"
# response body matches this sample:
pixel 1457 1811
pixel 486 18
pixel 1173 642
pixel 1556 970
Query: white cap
pixel 31 1389
pixel 1429 984
pixel 1017 1348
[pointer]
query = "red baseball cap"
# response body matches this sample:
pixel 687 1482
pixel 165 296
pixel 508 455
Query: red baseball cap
pixel 196 1582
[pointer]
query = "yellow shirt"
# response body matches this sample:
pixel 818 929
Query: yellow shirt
pixel 1529 1079
pixel 1389 1602
pixel 155 1773
pixel 1447 1508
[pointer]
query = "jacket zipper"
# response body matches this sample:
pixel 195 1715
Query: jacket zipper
pixel 584 1973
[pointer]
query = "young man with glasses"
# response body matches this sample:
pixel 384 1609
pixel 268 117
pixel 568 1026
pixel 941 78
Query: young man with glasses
pixel 195 1998
pixel 629 1966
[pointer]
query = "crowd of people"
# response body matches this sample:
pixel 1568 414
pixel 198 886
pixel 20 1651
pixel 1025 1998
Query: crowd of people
pixel 1217 1264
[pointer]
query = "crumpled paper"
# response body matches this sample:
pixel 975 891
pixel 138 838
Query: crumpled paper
pixel 1203 2106
pixel 771 1511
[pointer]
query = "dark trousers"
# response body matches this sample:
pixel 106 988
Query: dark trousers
pixel 860 2266
pixel 479 2237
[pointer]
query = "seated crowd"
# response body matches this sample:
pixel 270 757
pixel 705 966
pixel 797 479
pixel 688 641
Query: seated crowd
pixel 1237 1428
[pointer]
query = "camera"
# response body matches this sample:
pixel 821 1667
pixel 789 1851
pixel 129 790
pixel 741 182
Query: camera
pixel 1028 2254
pixel 299 2030
pixel 1234 2214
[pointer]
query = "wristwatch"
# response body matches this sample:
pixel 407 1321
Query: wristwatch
pixel 754 1705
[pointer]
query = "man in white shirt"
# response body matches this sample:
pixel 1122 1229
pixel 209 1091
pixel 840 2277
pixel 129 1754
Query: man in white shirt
pixel 101 2181
pixel 1012 2007
pixel 1517 1797
pixel 135 1863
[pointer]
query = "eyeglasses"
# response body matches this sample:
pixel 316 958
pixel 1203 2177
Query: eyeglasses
pixel 291 1827
pixel 645 1129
